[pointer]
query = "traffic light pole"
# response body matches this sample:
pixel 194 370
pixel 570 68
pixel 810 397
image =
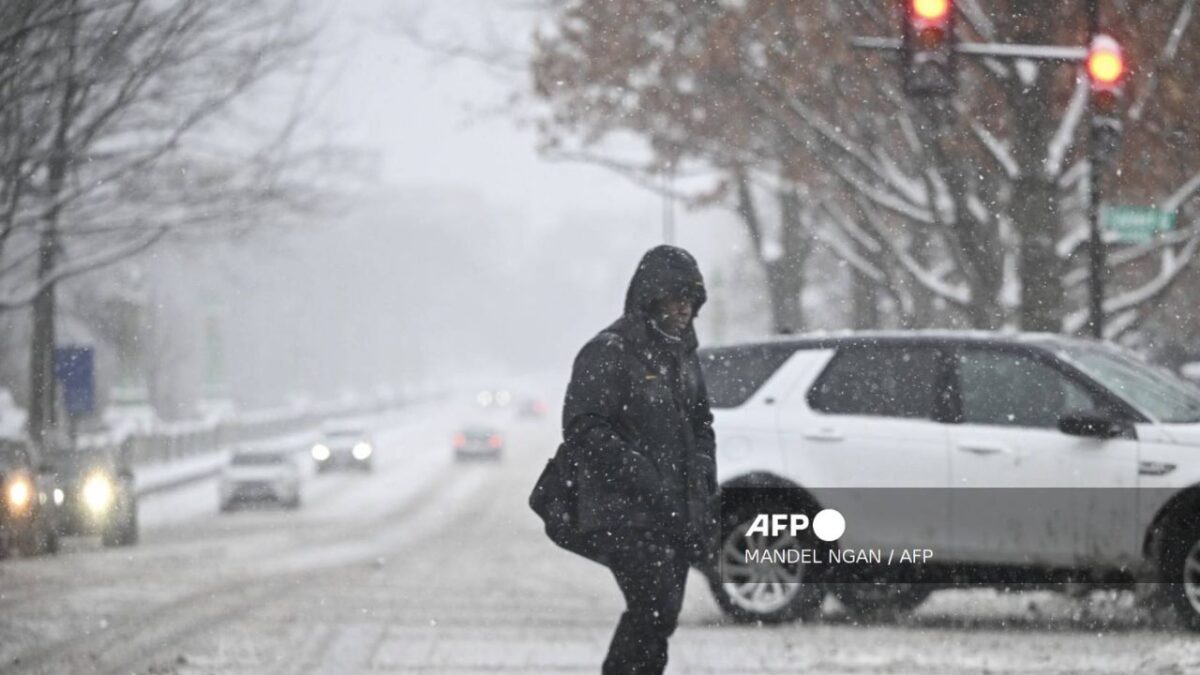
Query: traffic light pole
pixel 1096 253
pixel 1105 68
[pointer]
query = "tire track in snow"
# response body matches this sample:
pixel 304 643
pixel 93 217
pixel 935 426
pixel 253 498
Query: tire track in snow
pixel 137 639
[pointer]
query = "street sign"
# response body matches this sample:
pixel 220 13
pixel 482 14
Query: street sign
pixel 1137 224
pixel 74 368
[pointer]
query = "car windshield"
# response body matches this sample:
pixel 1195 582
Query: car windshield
pixel 1163 396
pixel 732 375
pixel 344 433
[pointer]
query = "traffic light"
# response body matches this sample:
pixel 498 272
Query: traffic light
pixel 1106 72
pixel 928 48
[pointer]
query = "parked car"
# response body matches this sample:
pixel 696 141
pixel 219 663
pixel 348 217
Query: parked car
pixel 98 496
pixel 478 442
pixel 952 413
pixel 260 475
pixel 27 502
pixel 344 444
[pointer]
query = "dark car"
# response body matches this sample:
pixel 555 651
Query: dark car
pixel 26 503
pixel 478 442
pixel 97 493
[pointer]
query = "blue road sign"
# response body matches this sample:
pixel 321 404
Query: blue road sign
pixel 75 368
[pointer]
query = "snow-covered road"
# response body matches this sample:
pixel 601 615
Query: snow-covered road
pixel 431 566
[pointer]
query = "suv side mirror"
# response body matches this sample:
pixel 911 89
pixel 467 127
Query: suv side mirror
pixel 1090 424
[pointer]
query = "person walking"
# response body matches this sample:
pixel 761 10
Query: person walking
pixel 637 421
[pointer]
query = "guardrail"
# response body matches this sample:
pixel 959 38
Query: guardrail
pixel 177 441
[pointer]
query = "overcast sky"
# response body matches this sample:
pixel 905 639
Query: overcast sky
pixel 421 115
pixel 463 253
pixel 466 253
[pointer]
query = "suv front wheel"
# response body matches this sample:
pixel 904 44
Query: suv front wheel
pixel 763 592
pixel 1181 574
pixel 1179 570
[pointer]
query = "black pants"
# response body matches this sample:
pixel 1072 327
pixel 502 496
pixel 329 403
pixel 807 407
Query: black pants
pixel 651 571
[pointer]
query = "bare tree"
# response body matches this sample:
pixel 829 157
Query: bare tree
pixel 117 133
pixel 979 222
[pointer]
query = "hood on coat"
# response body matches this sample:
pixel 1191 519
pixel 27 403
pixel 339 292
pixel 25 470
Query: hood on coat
pixel 665 272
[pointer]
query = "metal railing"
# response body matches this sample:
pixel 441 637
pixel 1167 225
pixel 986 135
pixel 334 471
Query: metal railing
pixel 175 441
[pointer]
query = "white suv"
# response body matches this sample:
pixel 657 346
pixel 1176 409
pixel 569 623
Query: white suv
pixel 949 416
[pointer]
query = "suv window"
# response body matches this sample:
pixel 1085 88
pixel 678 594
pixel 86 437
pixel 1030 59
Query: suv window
pixel 1160 393
pixel 882 381
pixel 733 374
pixel 1010 389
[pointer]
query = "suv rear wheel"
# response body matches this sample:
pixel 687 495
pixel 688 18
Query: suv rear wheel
pixel 765 592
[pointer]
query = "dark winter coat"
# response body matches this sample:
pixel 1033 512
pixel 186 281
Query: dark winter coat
pixel 636 417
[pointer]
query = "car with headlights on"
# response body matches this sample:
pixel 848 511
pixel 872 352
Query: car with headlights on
pixel 98 496
pixel 478 442
pixel 494 399
pixel 344 444
pixel 27 502
pixel 260 475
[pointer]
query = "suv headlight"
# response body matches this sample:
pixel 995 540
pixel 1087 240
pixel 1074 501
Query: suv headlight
pixel 320 452
pixel 361 451
pixel 98 492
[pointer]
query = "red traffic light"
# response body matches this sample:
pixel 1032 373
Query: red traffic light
pixel 933 11
pixel 928 46
pixel 1105 62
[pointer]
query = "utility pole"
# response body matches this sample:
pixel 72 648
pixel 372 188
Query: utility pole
pixel 43 394
pixel 1096 261
pixel 43 387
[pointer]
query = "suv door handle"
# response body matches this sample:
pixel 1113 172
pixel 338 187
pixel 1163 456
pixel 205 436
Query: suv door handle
pixel 823 434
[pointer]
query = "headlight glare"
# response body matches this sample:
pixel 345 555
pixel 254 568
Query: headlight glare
pixel 98 492
pixel 361 451
pixel 19 493
pixel 320 452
